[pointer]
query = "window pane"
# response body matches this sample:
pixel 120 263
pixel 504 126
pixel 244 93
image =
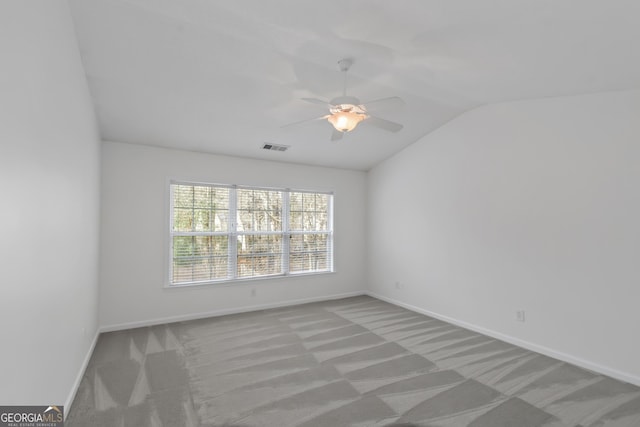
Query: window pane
pixel 309 242
pixel 182 246
pixel 259 255
pixel 308 202
pixel 259 244
pixel 220 267
pixel 202 197
pixel 182 273
pixel 295 201
pixel 220 220
pixel 295 211
pixel 295 220
pixel 201 219
pixel 245 199
pixel 200 208
pixel 259 210
pixel 201 270
pixel 322 221
pixel 208 246
pixel 263 221
pixel 182 219
pixel 308 212
pixel 199 258
pixel 309 252
pixel 259 265
pixel 220 209
pixel 210 269
pixel 182 259
pixel 183 196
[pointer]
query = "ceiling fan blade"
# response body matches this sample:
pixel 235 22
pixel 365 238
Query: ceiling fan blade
pixel 384 124
pixel 301 122
pixel 315 101
pixel 336 135
pixel 390 102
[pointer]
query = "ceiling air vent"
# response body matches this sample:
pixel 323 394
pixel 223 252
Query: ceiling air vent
pixel 275 147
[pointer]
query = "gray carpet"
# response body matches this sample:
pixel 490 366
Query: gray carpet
pixel 350 362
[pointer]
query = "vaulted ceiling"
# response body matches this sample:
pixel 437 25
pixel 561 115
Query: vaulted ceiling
pixel 225 76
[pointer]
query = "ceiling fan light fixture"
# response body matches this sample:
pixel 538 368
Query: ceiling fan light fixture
pixel 345 121
pixel 346 112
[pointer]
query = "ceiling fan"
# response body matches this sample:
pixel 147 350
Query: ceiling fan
pixel 346 112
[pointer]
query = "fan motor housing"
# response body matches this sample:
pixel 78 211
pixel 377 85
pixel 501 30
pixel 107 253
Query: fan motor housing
pixel 345 100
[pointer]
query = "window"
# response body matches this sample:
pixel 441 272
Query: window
pixel 225 233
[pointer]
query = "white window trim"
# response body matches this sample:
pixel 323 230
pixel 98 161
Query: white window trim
pixel 233 233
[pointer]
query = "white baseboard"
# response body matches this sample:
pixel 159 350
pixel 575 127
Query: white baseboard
pixel 78 380
pixel 223 312
pixel 604 370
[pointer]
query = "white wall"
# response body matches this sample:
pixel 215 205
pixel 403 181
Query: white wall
pixel 49 205
pixel 135 227
pixel 531 205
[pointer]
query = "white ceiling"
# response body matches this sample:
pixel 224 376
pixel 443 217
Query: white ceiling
pixel 224 76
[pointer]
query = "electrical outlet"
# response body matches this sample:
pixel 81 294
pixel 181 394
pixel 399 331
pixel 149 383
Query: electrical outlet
pixel 253 292
pixel 520 316
pixel 398 285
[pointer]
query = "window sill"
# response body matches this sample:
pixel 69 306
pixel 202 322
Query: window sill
pixel 245 281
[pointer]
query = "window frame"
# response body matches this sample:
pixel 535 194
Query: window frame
pixel 233 233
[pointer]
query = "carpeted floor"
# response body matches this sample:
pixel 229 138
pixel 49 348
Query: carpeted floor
pixel 351 362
